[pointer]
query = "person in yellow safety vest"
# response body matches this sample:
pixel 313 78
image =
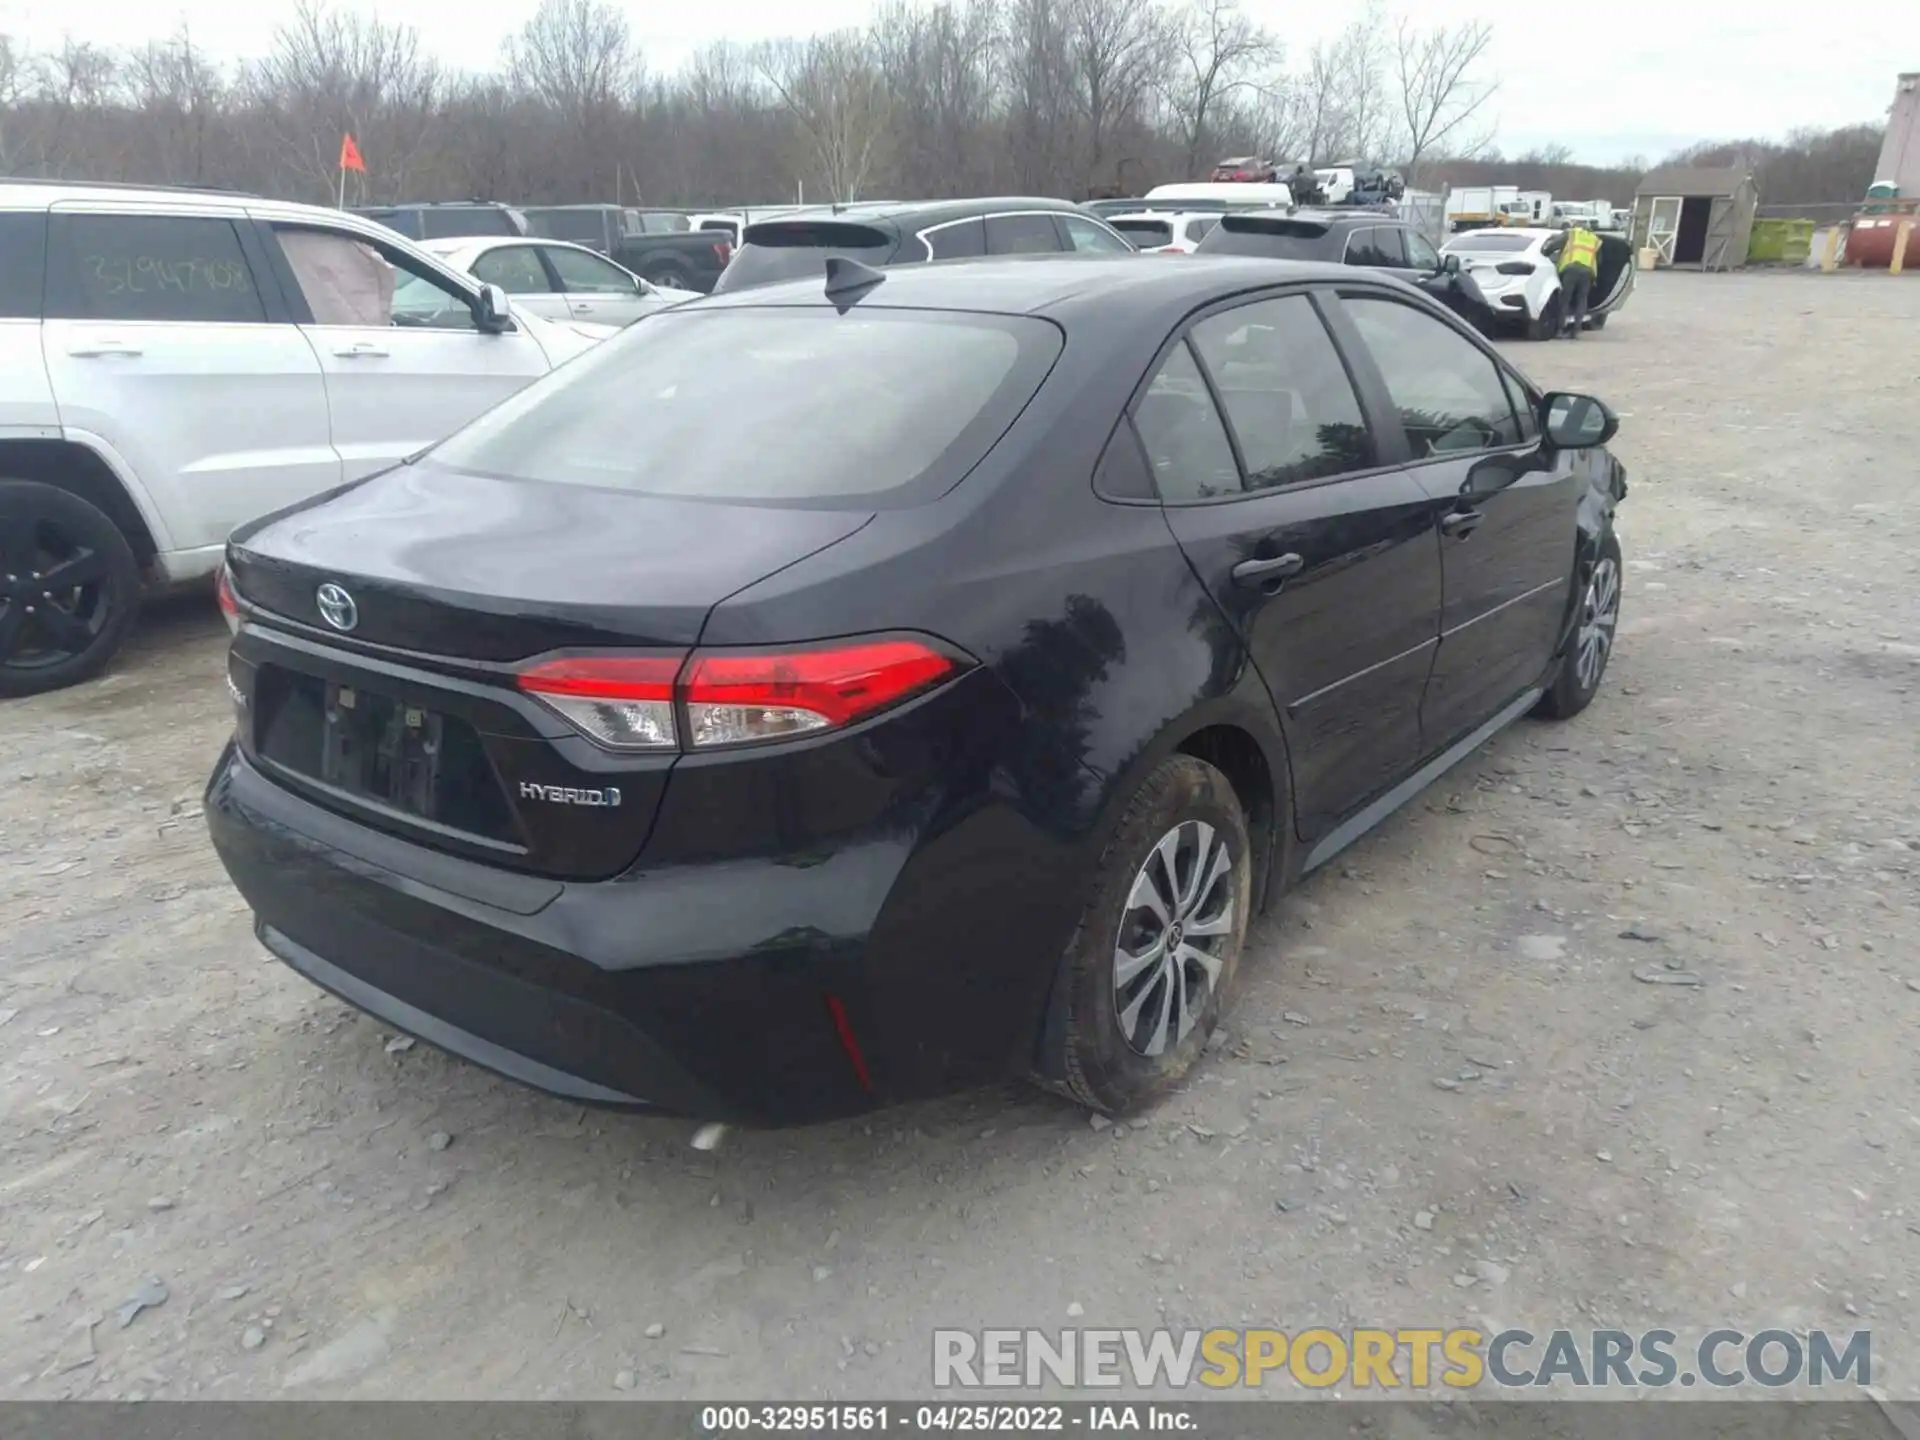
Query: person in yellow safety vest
pixel 1579 263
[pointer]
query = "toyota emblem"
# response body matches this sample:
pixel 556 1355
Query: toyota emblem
pixel 336 606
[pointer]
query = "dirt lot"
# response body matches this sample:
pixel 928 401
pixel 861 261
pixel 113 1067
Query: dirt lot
pixel 1455 1089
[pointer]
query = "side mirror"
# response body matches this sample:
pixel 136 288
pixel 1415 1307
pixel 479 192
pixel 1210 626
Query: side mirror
pixel 1577 422
pixel 640 286
pixel 1450 264
pixel 491 312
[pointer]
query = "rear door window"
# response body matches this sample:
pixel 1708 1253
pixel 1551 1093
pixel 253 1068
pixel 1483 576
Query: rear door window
pixel 1029 234
pixel 1390 245
pixel 1087 238
pixel 775 405
pixel 1360 247
pixel 176 268
pixel 962 240
pixel 23 260
pixel 1286 394
pixel 1184 437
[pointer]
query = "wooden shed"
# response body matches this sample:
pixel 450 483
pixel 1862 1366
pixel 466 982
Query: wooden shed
pixel 1697 217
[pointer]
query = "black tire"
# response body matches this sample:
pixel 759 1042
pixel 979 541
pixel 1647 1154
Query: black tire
pixel 59 635
pixel 1547 327
pixel 1596 322
pixel 1102 1067
pixel 1576 683
pixel 671 275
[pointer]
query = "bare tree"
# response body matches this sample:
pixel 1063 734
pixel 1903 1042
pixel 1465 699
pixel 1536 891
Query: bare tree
pixel 1358 61
pixel 1439 96
pixel 931 97
pixel 180 94
pixel 577 57
pixel 332 72
pixel 1117 54
pixel 838 98
pixel 1222 55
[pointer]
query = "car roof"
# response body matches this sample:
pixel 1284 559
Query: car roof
pixel 919 214
pixel 31 194
pixel 1165 212
pixel 1529 232
pixel 1055 285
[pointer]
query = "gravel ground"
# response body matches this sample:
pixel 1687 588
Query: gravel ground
pixel 1456 1087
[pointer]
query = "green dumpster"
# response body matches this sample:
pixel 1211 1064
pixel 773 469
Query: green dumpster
pixel 1780 242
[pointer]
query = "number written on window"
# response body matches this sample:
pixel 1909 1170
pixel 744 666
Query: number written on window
pixel 150 267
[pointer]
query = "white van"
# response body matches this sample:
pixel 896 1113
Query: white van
pixel 1250 193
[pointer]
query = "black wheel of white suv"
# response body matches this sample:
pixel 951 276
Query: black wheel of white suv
pixel 1584 664
pixel 1147 972
pixel 69 588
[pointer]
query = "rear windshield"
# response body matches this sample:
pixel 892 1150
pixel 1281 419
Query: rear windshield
pixel 1490 244
pixel 663 222
pixel 794 250
pixel 804 407
pixel 583 227
pixel 1145 232
pixel 457 221
pixel 1272 239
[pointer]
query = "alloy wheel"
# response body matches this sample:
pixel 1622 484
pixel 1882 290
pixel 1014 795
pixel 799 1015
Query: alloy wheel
pixel 54 593
pixel 1599 614
pixel 1179 920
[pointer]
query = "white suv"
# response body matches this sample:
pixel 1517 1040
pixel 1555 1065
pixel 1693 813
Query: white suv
pixel 175 363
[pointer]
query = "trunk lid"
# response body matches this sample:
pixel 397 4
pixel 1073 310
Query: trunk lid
pixel 510 568
pixel 409 719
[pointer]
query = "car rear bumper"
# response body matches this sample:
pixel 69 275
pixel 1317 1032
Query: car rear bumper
pixel 757 992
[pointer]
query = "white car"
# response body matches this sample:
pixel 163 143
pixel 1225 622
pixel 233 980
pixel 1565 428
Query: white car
pixel 1166 232
pixel 175 363
pixel 1517 269
pixel 555 279
pixel 1236 193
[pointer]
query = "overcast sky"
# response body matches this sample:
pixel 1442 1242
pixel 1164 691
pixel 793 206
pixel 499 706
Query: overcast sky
pixel 1633 77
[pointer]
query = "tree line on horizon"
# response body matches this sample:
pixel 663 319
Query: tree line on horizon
pixel 1073 98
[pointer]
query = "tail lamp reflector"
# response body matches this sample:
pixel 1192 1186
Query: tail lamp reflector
pixel 733 698
pixel 1513 267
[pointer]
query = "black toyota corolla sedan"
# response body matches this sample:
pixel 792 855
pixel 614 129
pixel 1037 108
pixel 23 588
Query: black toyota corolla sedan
pixel 865 687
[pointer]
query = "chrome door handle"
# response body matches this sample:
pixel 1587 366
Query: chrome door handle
pixel 362 352
pixel 104 350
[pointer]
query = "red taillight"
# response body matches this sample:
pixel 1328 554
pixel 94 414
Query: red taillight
pixel 229 605
pixel 723 251
pixel 624 702
pixel 633 702
pixel 734 699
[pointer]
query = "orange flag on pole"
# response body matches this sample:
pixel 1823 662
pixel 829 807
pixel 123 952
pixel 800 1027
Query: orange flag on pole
pixel 350 155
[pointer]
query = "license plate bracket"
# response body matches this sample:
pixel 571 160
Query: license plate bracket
pixel 382 749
